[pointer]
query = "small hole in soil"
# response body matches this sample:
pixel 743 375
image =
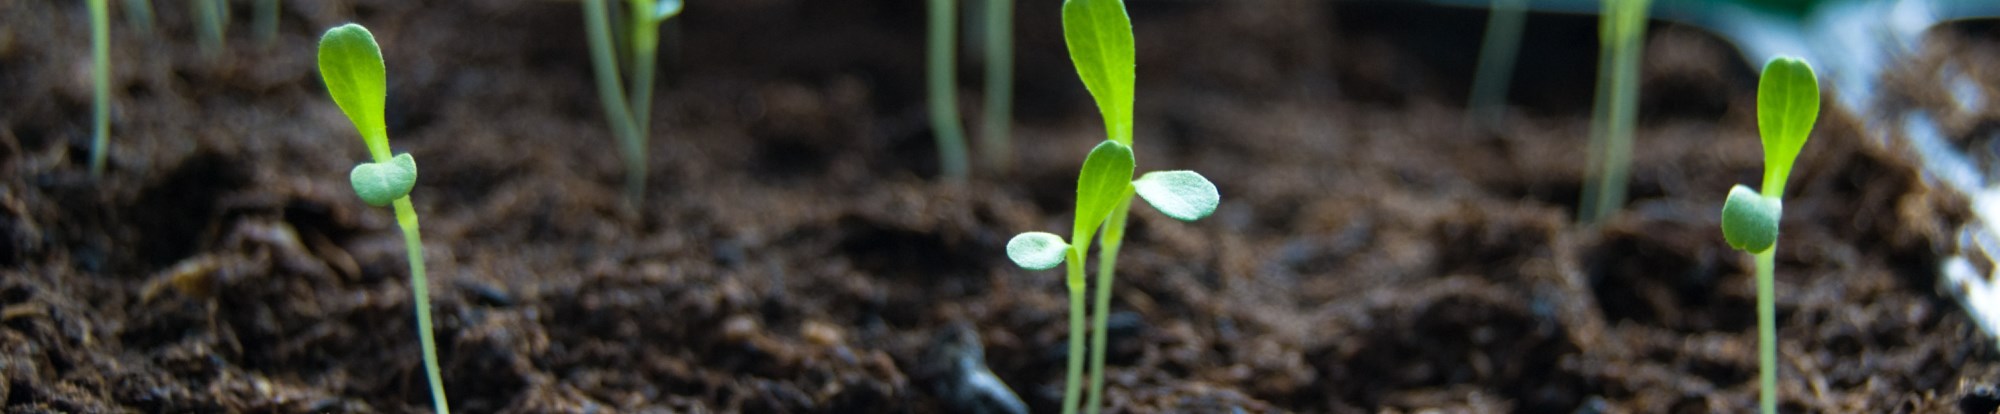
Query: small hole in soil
pixel 176 208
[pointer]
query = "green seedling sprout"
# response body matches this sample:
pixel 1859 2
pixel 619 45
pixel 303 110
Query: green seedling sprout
pixel 213 16
pixel 630 119
pixel 266 25
pixel 1787 106
pixel 100 74
pixel 351 65
pixel 1622 28
pixel 993 138
pixel 1099 37
pixel 1497 50
pixel 943 85
pixel 139 14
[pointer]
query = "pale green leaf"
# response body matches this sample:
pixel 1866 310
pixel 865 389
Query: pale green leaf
pixel 351 65
pixel 1037 250
pixel 379 183
pixel 1750 220
pixel 1183 194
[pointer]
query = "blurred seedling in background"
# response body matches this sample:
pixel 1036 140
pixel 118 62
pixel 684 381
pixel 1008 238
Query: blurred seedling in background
pixel 351 65
pixel 1099 36
pixel 212 19
pixel 942 77
pixel 628 106
pixel 1621 32
pixel 1787 106
pixel 100 76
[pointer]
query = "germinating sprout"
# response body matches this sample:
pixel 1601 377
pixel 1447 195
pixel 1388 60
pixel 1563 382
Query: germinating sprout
pixel 1787 106
pixel 350 63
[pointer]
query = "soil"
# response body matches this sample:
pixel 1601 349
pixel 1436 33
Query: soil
pixel 797 253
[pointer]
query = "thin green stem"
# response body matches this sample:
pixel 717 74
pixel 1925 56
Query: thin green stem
pixel 1767 331
pixel 645 44
pixel 100 73
pixel 266 24
pixel 213 17
pixel 139 14
pixel 1624 28
pixel 945 125
pixel 1107 266
pixel 1073 380
pixel 995 142
pixel 1496 60
pixel 604 59
pixel 406 216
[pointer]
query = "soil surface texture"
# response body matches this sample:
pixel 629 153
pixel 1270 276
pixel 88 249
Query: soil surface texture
pixel 796 251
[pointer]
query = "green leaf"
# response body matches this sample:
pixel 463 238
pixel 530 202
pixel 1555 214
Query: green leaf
pixel 1183 194
pixel 1750 220
pixel 1037 250
pixel 379 183
pixel 1099 35
pixel 666 9
pixel 1106 178
pixel 351 65
pixel 1787 106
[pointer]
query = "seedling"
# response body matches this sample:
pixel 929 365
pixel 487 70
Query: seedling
pixel 629 118
pixel 139 14
pixel 1622 27
pixel 1099 36
pixel 266 25
pixel 100 74
pixel 1787 105
pixel 1496 61
pixel 213 16
pixel 351 65
pixel 943 84
pixel 993 137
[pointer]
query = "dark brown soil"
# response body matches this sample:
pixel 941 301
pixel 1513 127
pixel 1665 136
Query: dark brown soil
pixel 796 254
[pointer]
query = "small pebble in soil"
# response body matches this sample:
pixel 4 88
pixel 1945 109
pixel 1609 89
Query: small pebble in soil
pixel 956 367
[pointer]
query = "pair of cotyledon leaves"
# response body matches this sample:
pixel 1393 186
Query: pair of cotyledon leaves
pixel 1106 181
pixel 1787 106
pixel 350 62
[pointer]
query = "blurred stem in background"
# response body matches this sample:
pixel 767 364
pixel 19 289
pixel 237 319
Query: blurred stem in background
pixel 945 125
pixel 994 140
pixel 266 24
pixel 213 17
pixel 100 74
pixel 1622 31
pixel 1496 62
pixel 139 14
pixel 629 118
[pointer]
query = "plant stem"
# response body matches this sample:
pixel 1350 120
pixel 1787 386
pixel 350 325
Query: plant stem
pixel 406 216
pixel 945 125
pixel 213 16
pixel 605 61
pixel 1624 27
pixel 100 73
pixel 139 14
pixel 1107 265
pixel 994 139
pixel 1767 308
pixel 1767 331
pixel 1073 380
pixel 1496 61
pixel 645 43
pixel 266 25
